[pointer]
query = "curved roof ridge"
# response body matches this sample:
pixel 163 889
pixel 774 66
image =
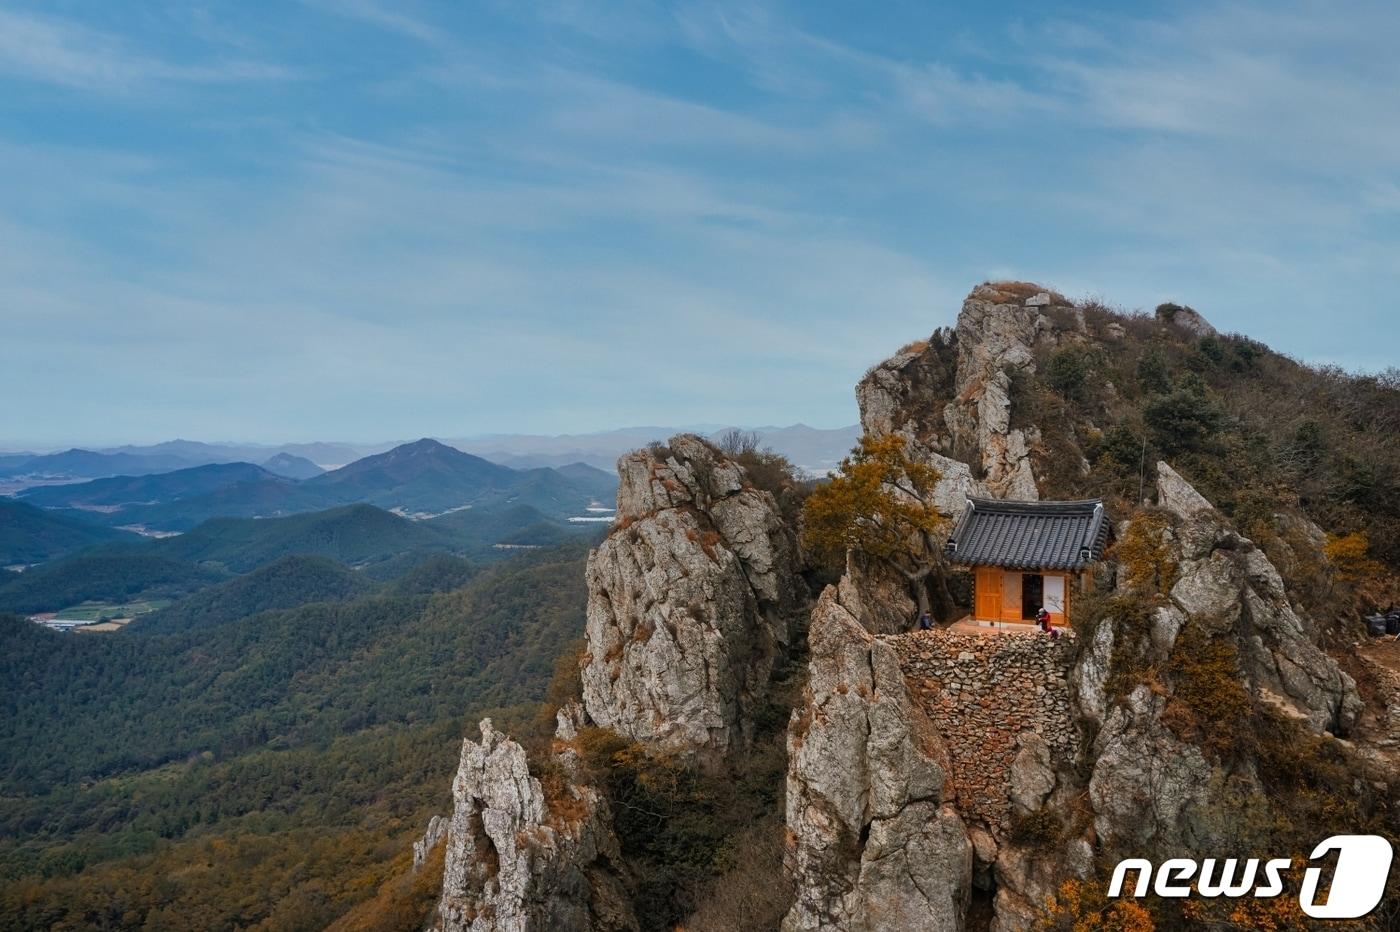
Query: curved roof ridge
pixel 1060 535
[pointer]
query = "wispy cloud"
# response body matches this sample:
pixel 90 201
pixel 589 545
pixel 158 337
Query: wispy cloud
pixel 59 52
pixel 393 17
pixel 545 218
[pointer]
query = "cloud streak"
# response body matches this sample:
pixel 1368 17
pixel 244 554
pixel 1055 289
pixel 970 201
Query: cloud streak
pixel 535 219
pixel 66 54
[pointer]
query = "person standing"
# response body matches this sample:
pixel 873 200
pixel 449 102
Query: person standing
pixel 925 622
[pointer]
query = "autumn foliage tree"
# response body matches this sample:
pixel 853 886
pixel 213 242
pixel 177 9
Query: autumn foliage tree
pixel 878 503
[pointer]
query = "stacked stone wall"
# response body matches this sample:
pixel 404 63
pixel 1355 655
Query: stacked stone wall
pixel 981 692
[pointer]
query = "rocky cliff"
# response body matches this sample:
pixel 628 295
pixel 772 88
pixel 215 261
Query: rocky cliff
pixel 947 780
pixel 952 393
pixel 874 843
pixel 1031 764
pixel 690 600
pixel 914 762
pixel 519 859
pixel 926 767
pixel 1217 594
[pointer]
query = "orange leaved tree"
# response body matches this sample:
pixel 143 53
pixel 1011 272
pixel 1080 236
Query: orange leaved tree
pixel 878 503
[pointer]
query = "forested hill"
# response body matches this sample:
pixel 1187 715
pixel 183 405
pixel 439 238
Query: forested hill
pixel 324 733
pixel 374 542
pixel 353 534
pixel 32 535
pixel 284 583
pixel 113 573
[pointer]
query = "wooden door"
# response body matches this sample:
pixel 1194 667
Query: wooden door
pixel 1010 596
pixel 988 594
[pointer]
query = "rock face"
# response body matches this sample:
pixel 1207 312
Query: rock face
pixel 981 735
pixel 1186 319
pixel 953 395
pixel 1151 789
pixel 690 599
pixel 1028 762
pixel 994 343
pixel 885 605
pixel 873 843
pixel 517 862
pixel 1227 586
pixel 435 833
pixel 906 394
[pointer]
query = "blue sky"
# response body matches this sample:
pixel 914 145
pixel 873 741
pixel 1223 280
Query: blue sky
pixel 365 219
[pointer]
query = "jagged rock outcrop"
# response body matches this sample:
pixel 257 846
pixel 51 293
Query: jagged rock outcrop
pixel 432 837
pixel 1027 877
pixel 906 394
pixel 1149 787
pixel 952 395
pixel 518 861
pixel 995 339
pixel 873 844
pixel 690 599
pixel 998 724
pixel 1227 585
pixel 1052 757
pixel 886 607
pixel 931 744
pixel 1186 319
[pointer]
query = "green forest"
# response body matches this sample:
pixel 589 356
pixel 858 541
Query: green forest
pixel 269 767
pixel 376 543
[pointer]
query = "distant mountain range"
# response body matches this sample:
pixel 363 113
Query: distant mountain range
pixel 419 479
pixel 813 449
pixel 296 461
pixel 118 492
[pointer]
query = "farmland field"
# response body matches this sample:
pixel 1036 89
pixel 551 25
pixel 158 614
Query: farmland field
pixel 93 611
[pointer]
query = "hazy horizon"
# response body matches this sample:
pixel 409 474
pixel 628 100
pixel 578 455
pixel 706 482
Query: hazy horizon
pixel 373 219
pixel 7 447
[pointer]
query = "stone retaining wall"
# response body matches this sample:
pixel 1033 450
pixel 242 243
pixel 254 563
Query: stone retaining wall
pixel 981 691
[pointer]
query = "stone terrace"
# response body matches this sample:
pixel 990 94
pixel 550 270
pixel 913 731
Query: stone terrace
pixel 981 692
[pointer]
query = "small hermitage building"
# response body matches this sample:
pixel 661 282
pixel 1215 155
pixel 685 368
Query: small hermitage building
pixel 1027 554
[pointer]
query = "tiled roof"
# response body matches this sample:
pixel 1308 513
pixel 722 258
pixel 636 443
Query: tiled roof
pixel 1029 535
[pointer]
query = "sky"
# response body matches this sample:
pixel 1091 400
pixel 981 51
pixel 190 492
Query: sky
pixel 359 219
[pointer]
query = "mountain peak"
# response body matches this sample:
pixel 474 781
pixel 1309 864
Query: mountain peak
pixel 423 450
pixel 423 447
pixel 292 466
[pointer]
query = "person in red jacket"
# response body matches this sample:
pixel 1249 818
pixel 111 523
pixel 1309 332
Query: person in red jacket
pixel 1042 618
